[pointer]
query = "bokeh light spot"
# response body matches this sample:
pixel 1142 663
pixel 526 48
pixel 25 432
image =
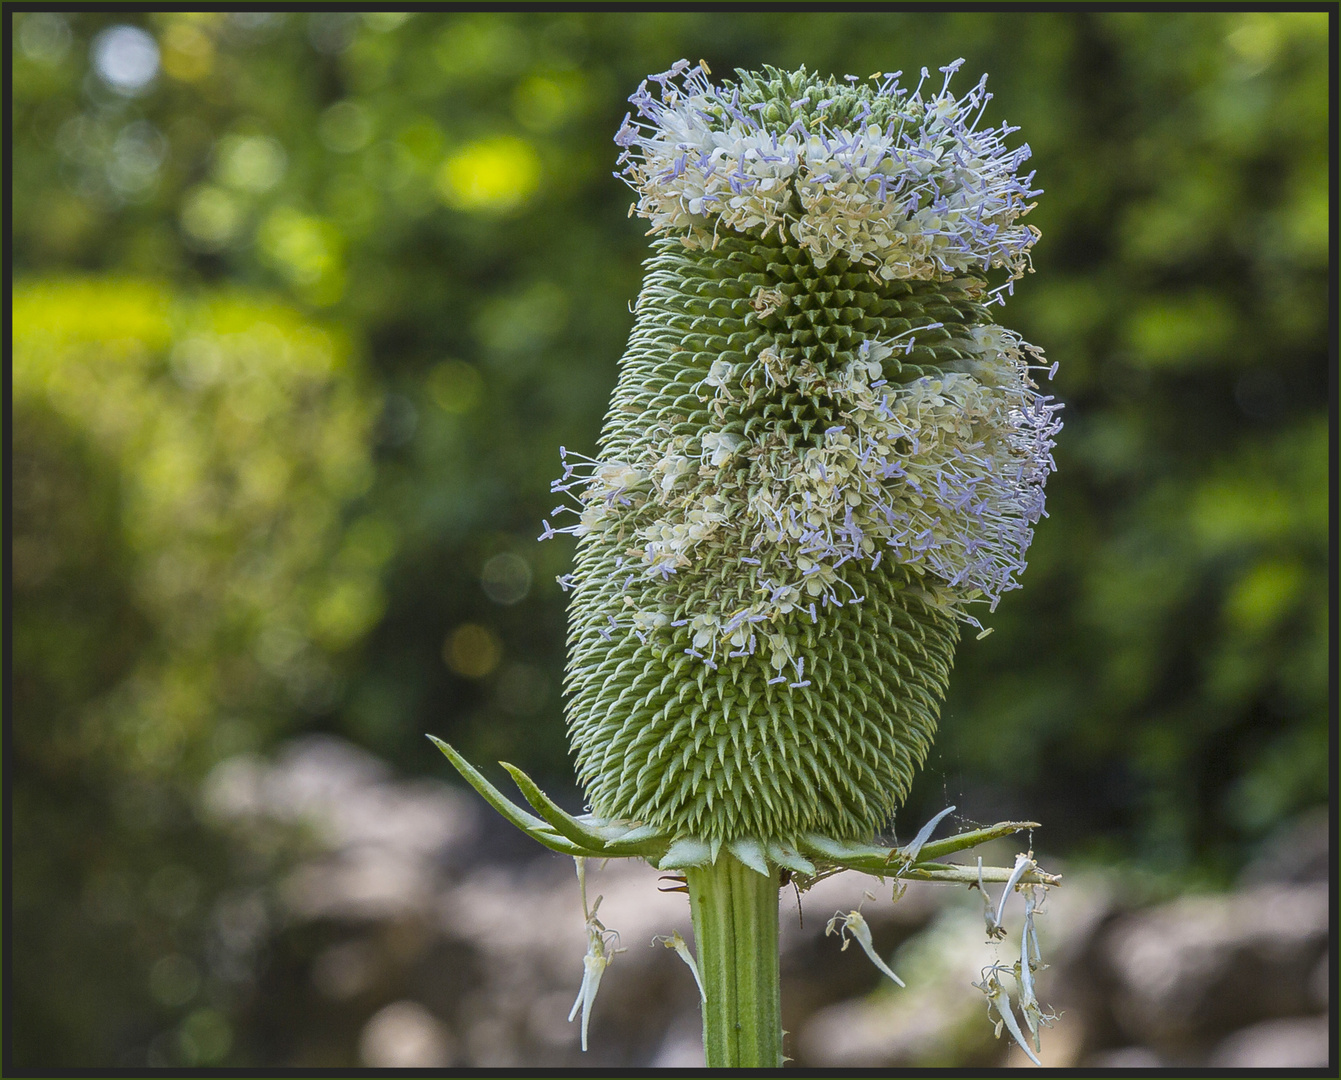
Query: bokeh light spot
pixel 493 175
pixel 44 37
pixel 344 614
pixel 522 690
pixel 252 163
pixel 479 45
pixel 543 102
pixel 301 246
pixel 506 578
pixel 345 127
pixel 455 386
pixel 126 57
pixel 205 1037
pixel 137 155
pixel 383 22
pixel 405 1035
pixel 517 323
pixel 472 650
pixel 1264 594
pixel 1181 330
pixel 1255 40
pixel 174 980
pixel 188 52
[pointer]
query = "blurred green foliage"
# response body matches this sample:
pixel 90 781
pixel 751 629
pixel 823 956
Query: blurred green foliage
pixel 188 566
pixel 308 302
pixel 235 432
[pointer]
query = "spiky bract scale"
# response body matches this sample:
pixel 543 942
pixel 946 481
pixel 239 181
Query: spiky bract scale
pixel 665 738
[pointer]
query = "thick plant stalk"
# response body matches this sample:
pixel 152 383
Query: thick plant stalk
pixel 735 913
pixel 820 456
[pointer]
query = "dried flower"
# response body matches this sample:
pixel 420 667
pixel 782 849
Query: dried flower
pixel 854 923
pixel 600 951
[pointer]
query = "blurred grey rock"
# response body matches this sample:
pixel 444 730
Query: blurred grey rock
pixel 1202 965
pixel 1320 985
pixel 1300 853
pixel 1126 1057
pixel 1296 1043
pixel 404 1035
pixel 404 926
pixel 346 796
pixel 922 1024
pixel 683 1045
pixel 380 839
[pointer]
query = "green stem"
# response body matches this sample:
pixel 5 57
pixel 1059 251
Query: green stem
pixel 735 914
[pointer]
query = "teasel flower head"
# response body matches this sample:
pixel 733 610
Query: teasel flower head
pixel 821 457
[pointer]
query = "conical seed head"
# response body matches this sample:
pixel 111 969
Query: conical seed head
pixel 810 466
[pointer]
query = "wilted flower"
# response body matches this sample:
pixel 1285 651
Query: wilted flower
pixel 854 923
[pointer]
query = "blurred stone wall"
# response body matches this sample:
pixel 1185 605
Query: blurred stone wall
pixel 412 928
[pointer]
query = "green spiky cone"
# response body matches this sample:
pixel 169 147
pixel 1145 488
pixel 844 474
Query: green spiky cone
pixel 659 736
pixel 820 449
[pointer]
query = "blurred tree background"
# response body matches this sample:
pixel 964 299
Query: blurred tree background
pixel 305 304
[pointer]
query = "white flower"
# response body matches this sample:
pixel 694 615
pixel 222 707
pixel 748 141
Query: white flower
pixel 998 1001
pixel 618 476
pixel 676 942
pixel 720 447
pixel 925 193
pixel 673 468
pixel 942 473
pixel 719 374
pixel 650 620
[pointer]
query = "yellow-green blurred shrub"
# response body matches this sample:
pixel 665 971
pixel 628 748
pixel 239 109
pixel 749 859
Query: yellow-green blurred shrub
pixel 189 565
